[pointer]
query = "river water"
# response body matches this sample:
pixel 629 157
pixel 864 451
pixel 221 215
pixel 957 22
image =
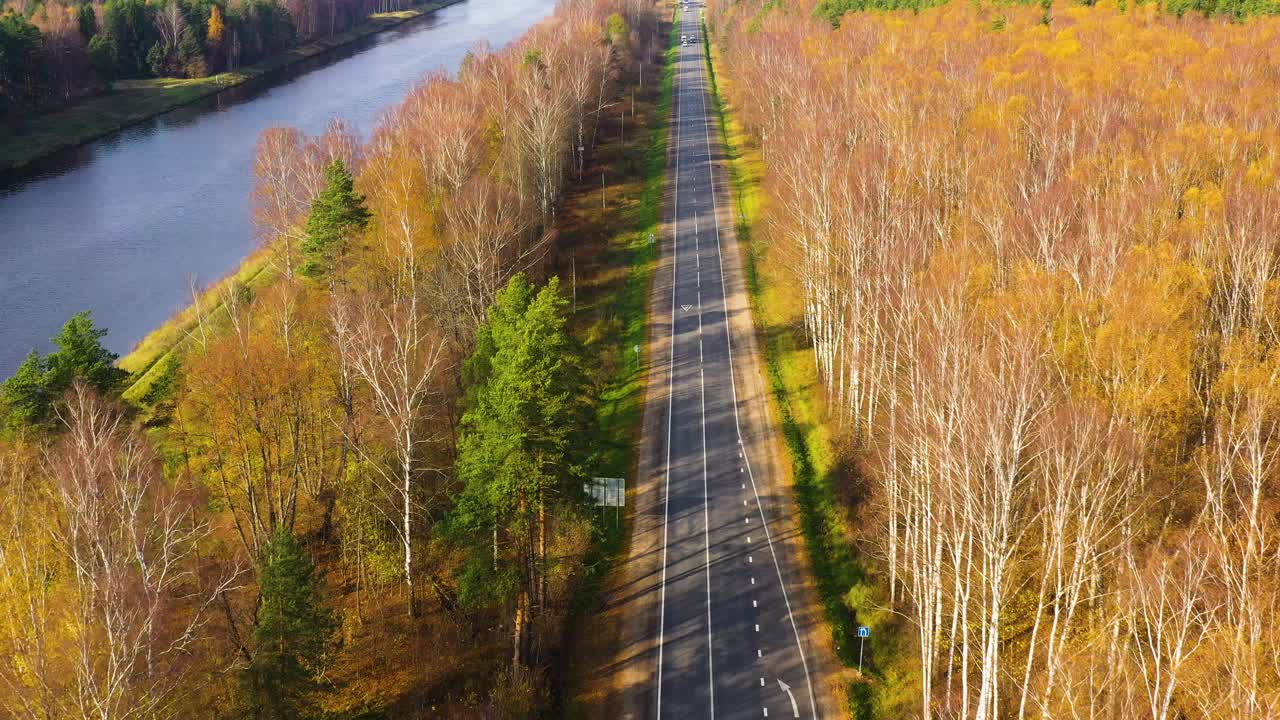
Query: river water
pixel 121 226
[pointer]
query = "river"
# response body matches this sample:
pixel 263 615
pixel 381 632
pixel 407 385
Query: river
pixel 122 226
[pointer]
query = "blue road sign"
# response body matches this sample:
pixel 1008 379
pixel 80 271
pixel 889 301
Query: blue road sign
pixel 864 631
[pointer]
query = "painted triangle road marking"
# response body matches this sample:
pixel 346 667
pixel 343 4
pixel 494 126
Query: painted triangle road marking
pixel 685 307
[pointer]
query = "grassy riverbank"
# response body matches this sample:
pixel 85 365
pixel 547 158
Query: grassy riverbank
pixel 150 357
pixel 132 101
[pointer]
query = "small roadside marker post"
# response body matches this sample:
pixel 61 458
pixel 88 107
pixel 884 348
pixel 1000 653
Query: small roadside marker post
pixel 864 632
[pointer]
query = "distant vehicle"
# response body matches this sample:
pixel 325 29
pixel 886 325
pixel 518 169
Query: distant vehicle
pixel 683 41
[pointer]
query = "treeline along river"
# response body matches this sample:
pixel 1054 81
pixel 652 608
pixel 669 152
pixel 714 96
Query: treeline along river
pixel 121 226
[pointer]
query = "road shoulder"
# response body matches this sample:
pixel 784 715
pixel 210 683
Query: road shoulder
pixel 621 677
pixel 636 594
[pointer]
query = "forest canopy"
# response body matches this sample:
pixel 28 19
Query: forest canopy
pixel 53 51
pixel 1036 251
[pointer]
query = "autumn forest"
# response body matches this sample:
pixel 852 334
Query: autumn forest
pixel 1015 267
pixel 1034 253
pixel 354 490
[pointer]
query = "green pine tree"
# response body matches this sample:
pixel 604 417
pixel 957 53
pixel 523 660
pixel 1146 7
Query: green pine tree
pixel 80 355
pixel 337 213
pixel 29 395
pixel 25 399
pixel 521 447
pixel 87 21
pixel 292 633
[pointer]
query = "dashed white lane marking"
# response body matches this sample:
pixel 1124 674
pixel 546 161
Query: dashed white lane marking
pixel 757 628
pixel 753 581
pixel 766 712
pixel 749 559
pixel 670 384
pixel 733 386
pixel 755 603
pixel 747 520
pixel 706 517
pixel 759 654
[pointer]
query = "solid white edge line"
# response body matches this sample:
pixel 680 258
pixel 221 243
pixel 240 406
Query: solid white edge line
pixel 733 382
pixel 671 375
pixel 670 398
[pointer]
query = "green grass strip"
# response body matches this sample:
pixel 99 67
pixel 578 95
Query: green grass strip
pixel 621 407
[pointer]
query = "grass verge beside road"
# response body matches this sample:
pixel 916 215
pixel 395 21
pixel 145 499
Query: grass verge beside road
pixel 132 101
pixel 622 240
pixel 846 589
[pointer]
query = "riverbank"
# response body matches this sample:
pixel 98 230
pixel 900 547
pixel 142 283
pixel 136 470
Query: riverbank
pixel 148 360
pixel 133 101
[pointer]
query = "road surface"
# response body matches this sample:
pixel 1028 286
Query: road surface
pixel 728 643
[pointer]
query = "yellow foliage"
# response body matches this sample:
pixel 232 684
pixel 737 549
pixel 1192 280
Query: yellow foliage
pixel 1064 46
pixel 1261 173
pixel 1137 349
pixel 1099 190
pixel 217 28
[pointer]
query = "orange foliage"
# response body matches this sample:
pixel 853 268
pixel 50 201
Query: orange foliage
pixel 1000 228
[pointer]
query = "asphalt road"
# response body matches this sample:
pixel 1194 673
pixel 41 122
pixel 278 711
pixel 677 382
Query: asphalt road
pixel 728 644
